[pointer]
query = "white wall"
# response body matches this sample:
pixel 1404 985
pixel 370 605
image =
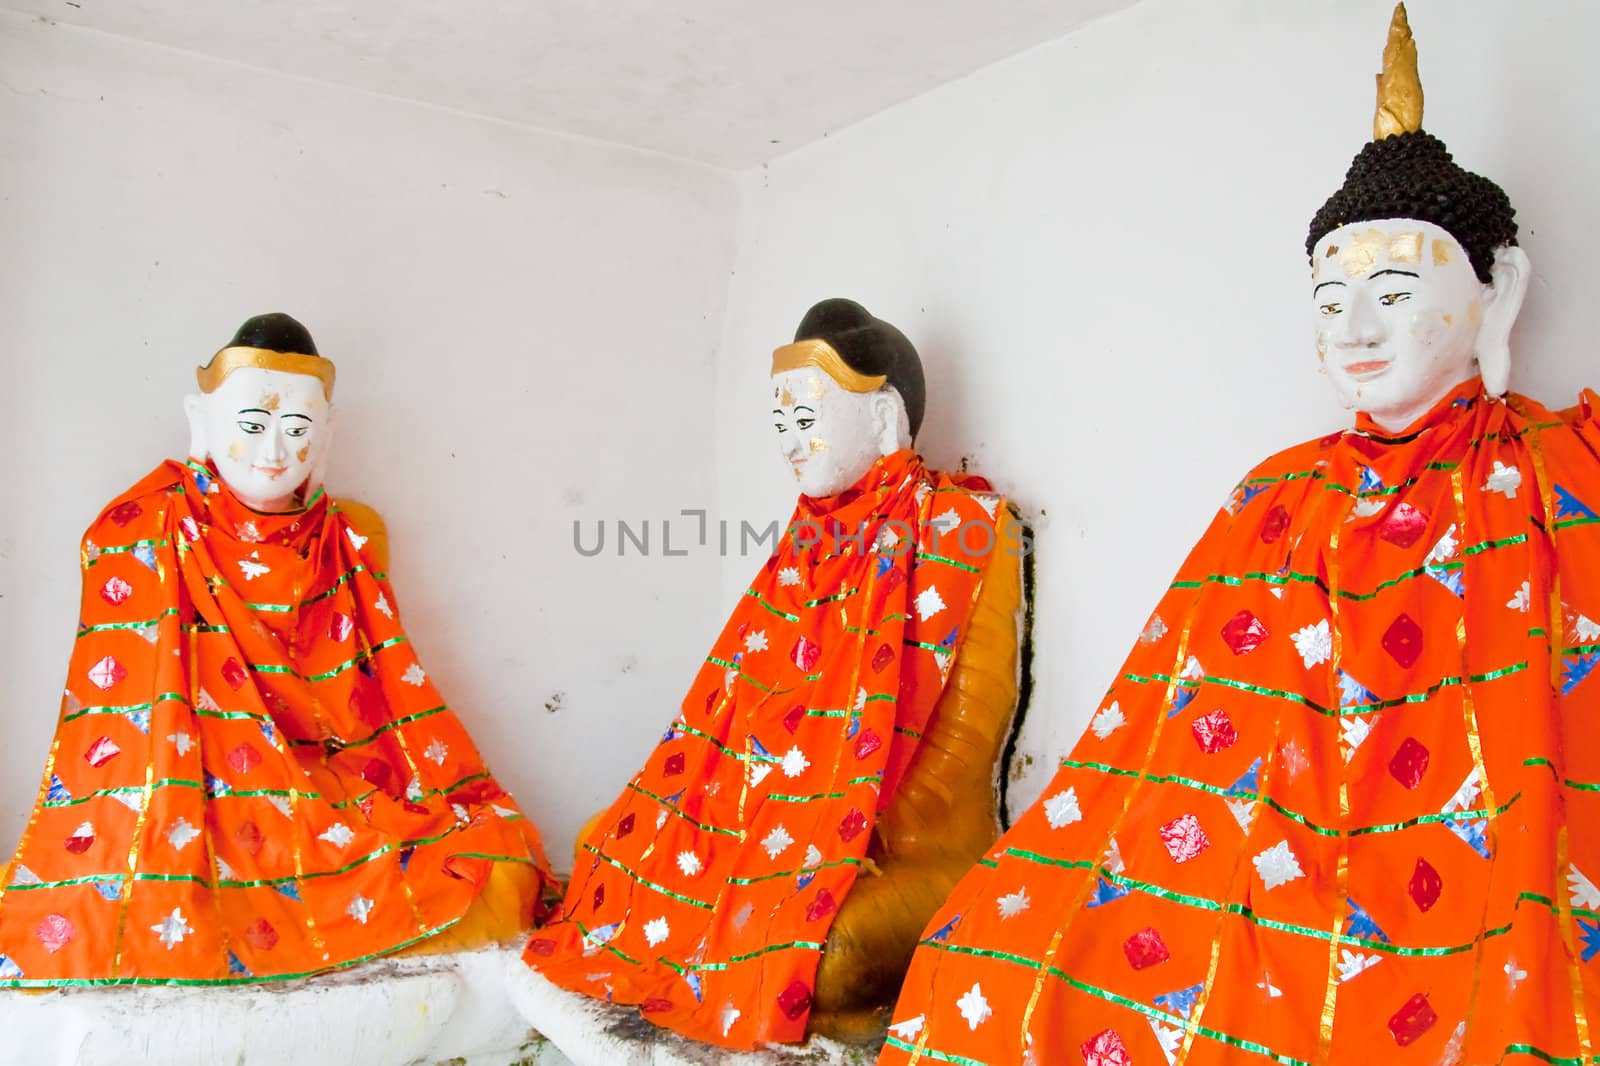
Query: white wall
pixel 525 327
pixel 1097 246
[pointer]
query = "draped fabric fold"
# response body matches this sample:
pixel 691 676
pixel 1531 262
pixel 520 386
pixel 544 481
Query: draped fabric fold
pixel 253 778
pixel 1342 803
pixel 705 893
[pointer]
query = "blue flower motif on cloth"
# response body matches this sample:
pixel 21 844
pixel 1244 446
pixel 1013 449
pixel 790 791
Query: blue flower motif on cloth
pixel 1370 481
pixel 1569 506
pixel 1360 924
pixel 202 482
pixel 1353 693
pixel 693 981
pixel 140 720
pixel 21 875
pixel 1105 892
pixel 146 555
pixel 1242 496
pixel 290 889
pixel 58 792
pixel 944 931
pixel 1181 699
pixel 950 640
pixel 1182 1001
pixel 1576 669
pixel 885 564
pixel 1249 784
pixel 9 969
pixel 268 730
pixel 216 786
pixel 1591 938
pixel 109 890
pixel 235 967
pixel 1473 833
pixel 1442 551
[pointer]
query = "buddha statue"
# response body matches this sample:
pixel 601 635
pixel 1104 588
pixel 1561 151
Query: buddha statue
pixel 253 778
pixel 1340 805
pixel 832 769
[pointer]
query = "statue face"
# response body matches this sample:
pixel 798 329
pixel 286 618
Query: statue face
pixel 831 436
pixel 1398 311
pixel 267 431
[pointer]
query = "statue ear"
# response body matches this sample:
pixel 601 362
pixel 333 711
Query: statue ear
pixel 890 423
pixel 195 407
pixel 324 449
pixel 1502 300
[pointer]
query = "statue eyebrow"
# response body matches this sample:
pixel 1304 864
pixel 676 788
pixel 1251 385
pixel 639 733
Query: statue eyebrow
pixel 1319 287
pixel 253 411
pixel 803 407
pixel 1390 270
pixel 292 415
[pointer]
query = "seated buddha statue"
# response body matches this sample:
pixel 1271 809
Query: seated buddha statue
pixel 1342 802
pixel 832 768
pixel 253 777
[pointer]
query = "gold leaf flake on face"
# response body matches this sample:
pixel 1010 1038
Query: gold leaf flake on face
pixel 1333 250
pixel 1406 248
pixel 302 453
pixel 1474 313
pixel 818 445
pixel 236 451
pixel 1362 254
pixel 270 401
pixel 1441 252
pixel 1449 320
pixel 819 387
pixel 786 398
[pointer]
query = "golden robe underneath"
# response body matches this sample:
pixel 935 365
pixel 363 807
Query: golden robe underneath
pixel 705 893
pixel 1342 803
pixel 253 778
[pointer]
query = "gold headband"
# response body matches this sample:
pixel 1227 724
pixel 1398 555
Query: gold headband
pixel 225 362
pixel 824 357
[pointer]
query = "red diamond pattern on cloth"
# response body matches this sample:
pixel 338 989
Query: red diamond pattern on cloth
pixel 339 627
pixel 674 764
pixel 1214 732
pixel 1145 948
pixel 81 840
pixel 796 715
pixel 625 826
pixel 1403 526
pixel 882 658
pixel 101 752
pixel 1412 1020
pixel 795 1000
pixel 1184 838
pixel 1105 1049
pixel 107 672
pixel 244 758
pixel 806 654
pixel 122 514
pixel 867 743
pixel 1403 641
pixel 115 591
pixel 822 906
pixel 1244 633
pixel 234 674
pixel 1410 763
pixel 1273 526
pixel 260 935
pixel 1426 884
pixel 711 700
pixel 55 932
pixel 655 1004
pixel 599 894
pixel 852 825
pixel 248 836
pixel 543 947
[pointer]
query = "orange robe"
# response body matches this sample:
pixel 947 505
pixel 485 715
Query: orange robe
pixel 1341 804
pixel 713 879
pixel 253 779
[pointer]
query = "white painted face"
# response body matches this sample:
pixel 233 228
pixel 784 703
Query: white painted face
pixel 1399 312
pixel 831 436
pixel 268 433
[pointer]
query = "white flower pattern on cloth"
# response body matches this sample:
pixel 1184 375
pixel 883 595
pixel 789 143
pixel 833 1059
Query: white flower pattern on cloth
pixel 1277 865
pixel 1108 721
pixel 1062 809
pixel 776 841
pixel 1314 643
pixel 656 930
pixel 974 1007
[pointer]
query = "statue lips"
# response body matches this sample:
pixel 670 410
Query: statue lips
pixel 1367 369
pixel 273 471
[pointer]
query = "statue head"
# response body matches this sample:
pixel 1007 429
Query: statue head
pixel 1416 277
pixel 264 414
pixel 848 391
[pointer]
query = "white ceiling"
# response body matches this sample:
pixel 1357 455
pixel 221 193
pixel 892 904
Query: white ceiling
pixel 731 83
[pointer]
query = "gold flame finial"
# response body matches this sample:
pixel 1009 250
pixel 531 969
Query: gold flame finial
pixel 1399 88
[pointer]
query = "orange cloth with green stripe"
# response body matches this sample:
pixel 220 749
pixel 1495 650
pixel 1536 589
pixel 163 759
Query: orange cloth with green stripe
pixel 253 778
pixel 711 882
pixel 1342 803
